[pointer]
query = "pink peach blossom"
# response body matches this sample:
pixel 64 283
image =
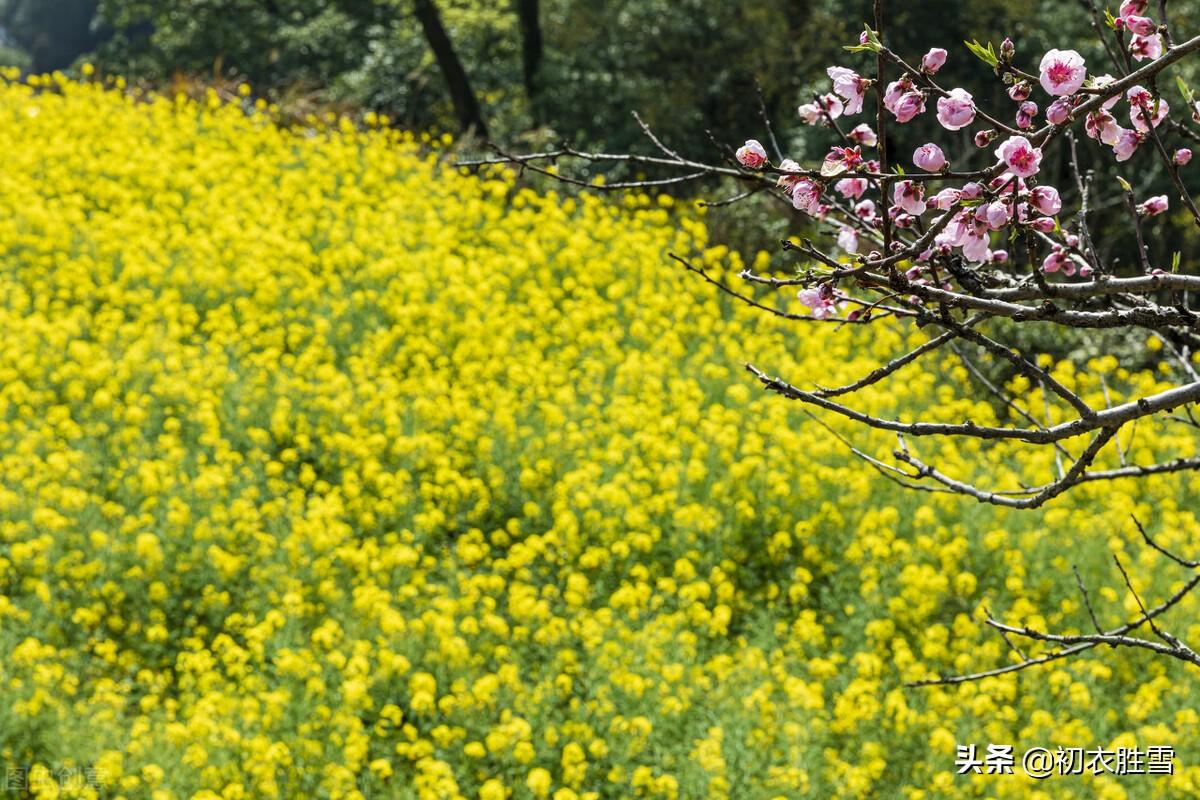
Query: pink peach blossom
pixel 946 198
pixel 1062 72
pixel 751 155
pixel 1046 200
pixel 806 196
pixel 1101 125
pixel 1143 47
pixel 863 135
pixel 908 106
pixel 787 181
pixel 1144 109
pixel 1059 111
pixel 851 188
pixel 1126 143
pixel 1141 26
pixel 1025 114
pixel 929 157
pixel 847 239
pixel 976 247
pixel 909 195
pixel 956 110
pixel 1020 156
pixel 851 87
pixel 1055 261
pixel 1020 91
pixel 932 61
pixel 1154 206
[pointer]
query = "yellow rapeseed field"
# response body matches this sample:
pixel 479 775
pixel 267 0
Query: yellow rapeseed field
pixel 327 471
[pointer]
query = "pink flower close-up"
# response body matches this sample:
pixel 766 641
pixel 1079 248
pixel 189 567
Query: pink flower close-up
pixel 1062 72
pixel 932 61
pixel 851 87
pixel 929 157
pixel 788 181
pixel 1059 111
pixel 1020 156
pixel 946 198
pixel 1131 8
pixel 751 154
pixel 1046 200
pixel 975 249
pixel 806 196
pixel 908 106
pixel 863 134
pixel 909 195
pixel 1025 114
pixel 1154 206
pixel 1143 47
pixel 851 188
pixel 1126 143
pixel 1146 110
pixel 847 239
pixel 1020 91
pixel 1055 261
pixel 956 110
pixel 1142 26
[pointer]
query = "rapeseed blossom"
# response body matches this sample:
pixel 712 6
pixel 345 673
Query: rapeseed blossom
pixel 327 471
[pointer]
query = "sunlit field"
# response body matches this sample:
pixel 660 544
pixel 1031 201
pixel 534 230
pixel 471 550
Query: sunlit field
pixel 328 471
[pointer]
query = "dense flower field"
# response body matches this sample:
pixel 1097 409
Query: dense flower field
pixel 326 471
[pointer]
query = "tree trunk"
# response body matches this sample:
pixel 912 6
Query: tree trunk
pixel 531 51
pixel 466 105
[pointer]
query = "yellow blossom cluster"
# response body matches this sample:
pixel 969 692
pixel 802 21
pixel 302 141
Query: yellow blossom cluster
pixel 328 471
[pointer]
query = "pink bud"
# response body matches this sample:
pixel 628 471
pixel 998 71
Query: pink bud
pixel 1020 91
pixel 929 157
pixel 984 138
pixel 933 60
pixel 1059 111
pixel 971 190
pixel 1154 206
pixel 1043 224
pixel 1183 156
pixel 1055 261
pixel 1072 240
pixel 1007 49
pixel 999 256
pixel 1142 26
pixel 1046 200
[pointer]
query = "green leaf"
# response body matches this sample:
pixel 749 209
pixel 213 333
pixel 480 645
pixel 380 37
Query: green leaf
pixel 985 54
pixel 1188 95
pixel 1175 262
pixel 1109 19
pixel 1124 184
